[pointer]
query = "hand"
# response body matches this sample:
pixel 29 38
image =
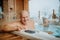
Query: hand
pixel 20 28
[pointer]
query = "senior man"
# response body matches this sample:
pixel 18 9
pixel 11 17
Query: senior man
pixel 25 23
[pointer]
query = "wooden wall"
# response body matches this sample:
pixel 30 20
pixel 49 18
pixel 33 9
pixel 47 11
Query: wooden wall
pixel 16 5
pixel 26 5
pixel 19 7
pixel 5 6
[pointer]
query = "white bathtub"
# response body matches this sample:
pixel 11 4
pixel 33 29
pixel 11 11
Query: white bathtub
pixel 38 35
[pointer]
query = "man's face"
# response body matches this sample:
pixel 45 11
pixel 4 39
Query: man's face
pixel 24 17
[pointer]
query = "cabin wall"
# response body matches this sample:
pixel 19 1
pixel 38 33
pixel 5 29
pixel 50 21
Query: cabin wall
pixel 12 9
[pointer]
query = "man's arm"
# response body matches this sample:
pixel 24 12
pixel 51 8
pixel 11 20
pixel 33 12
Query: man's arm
pixel 9 27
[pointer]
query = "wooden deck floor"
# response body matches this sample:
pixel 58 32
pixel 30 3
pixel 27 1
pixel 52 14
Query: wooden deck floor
pixel 10 36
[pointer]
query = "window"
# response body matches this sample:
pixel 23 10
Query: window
pixel 44 9
pixel 1 8
pixel 1 5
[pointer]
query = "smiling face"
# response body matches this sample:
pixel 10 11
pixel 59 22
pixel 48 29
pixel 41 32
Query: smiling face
pixel 24 17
